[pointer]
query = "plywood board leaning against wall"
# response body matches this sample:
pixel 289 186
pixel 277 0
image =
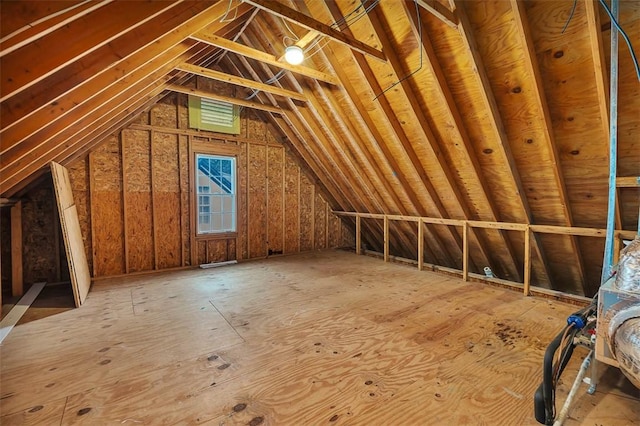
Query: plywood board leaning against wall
pixel 74 246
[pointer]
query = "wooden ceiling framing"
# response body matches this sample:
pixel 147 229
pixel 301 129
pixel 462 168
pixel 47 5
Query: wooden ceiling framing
pixel 443 109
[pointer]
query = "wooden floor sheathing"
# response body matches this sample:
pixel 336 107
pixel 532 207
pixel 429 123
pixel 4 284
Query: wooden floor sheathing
pixel 321 338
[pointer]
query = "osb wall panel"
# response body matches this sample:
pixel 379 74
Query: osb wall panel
pixel 348 235
pixel 166 199
pixel 107 209
pixel 275 186
pixel 79 177
pixel 165 114
pixel 137 192
pixel 256 128
pixel 201 251
pixel 292 206
pixel 334 236
pixel 217 251
pixel 257 204
pixel 320 222
pixel 241 200
pixel 185 225
pixel 306 213
pixel 134 193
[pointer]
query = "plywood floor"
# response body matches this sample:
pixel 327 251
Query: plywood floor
pixel 322 338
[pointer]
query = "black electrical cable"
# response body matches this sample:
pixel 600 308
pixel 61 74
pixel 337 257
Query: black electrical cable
pixel 624 35
pixel 573 9
pixel 419 47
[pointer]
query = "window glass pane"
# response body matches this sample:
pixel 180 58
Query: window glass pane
pixel 215 186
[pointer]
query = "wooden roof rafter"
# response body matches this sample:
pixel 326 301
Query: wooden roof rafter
pixel 323 147
pixel 531 63
pixel 244 26
pixel 425 132
pixel 489 100
pixel 302 119
pixel 71 138
pixel 440 11
pixel 40 27
pixel 24 67
pixel 601 78
pixel 261 56
pixel 123 117
pixel 433 65
pixel 239 81
pixel 298 18
pixel 23 153
pixel 26 115
pixel 290 122
pixel 349 150
pixel 377 143
pixel 409 153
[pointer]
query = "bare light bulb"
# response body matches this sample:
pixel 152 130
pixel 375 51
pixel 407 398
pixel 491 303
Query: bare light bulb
pixel 294 55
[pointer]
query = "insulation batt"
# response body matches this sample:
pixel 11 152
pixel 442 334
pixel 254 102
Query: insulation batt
pixel 628 278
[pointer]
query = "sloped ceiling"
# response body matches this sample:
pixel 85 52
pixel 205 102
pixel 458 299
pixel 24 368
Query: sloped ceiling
pixel 481 110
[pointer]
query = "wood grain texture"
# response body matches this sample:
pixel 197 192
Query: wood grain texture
pixel 306 214
pixel 275 206
pixel 292 205
pixel 72 234
pixel 316 338
pixel 257 203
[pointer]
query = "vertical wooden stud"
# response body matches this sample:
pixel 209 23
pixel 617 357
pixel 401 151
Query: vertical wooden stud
pixel 92 216
pixel 193 216
pixel 266 178
pixel 420 245
pixel 180 218
pixel 154 225
pixel 248 229
pixel 527 261
pixel 313 217
pixel 326 224
pixel 299 212
pixel 17 288
pixel 284 183
pixel 124 201
pixel 386 238
pixel 465 251
pixel 358 235
pixel 617 246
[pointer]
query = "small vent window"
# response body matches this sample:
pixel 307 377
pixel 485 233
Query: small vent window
pixel 216 116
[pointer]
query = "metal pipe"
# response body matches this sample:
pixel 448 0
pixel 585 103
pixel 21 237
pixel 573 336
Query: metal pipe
pixel 574 389
pixel 607 262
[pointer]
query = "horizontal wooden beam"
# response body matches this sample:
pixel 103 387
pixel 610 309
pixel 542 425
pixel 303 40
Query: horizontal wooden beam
pixel 235 101
pixel 508 226
pixel 505 226
pixel 628 182
pixel 309 23
pixel 261 56
pixel 8 202
pixel 239 81
pixel 439 11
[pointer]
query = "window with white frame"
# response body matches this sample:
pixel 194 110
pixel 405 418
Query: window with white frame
pixel 216 193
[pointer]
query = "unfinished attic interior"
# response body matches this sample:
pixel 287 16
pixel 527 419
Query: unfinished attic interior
pixel 429 216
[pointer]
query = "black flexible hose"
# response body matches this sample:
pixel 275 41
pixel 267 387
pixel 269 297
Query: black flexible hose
pixel 544 399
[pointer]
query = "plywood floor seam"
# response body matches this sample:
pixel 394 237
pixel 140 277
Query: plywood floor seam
pixel 319 338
